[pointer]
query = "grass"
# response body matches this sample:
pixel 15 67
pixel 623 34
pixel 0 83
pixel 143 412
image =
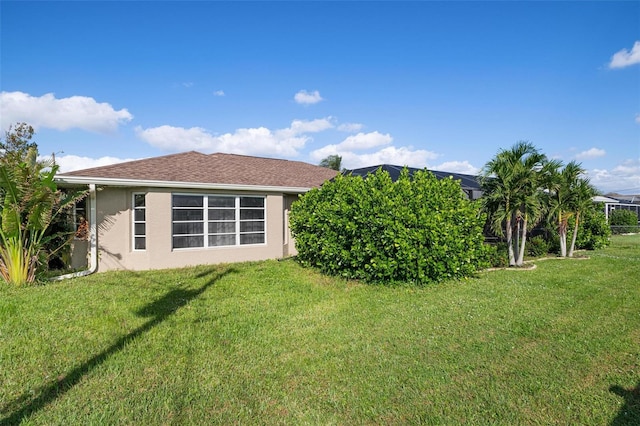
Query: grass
pixel 272 343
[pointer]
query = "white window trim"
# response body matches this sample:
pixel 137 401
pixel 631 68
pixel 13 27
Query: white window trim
pixel 134 221
pixel 205 220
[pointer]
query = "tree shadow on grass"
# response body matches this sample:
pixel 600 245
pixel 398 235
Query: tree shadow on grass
pixel 159 310
pixel 629 414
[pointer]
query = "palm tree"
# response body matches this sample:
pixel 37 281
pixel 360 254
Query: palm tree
pixel 511 182
pixel 582 201
pixel 497 201
pixel 562 189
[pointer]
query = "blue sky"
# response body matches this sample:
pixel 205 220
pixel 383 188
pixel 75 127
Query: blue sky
pixel 443 85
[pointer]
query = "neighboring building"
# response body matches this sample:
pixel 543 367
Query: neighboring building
pixel 470 184
pixel 623 202
pixel 188 209
pixel 625 198
pixel 608 203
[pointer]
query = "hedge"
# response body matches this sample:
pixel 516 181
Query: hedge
pixel 417 229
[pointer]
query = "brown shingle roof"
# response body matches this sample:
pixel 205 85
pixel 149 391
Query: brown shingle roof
pixel 218 168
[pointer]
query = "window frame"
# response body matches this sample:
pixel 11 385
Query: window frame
pixel 207 220
pixel 134 222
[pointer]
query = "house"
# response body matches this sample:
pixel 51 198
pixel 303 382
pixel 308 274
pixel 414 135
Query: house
pixel 470 184
pixel 609 204
pixel 614 201
pixel 187 209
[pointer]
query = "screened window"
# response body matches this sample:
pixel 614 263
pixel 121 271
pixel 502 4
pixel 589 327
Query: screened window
pixel 80 220
pixel 139 222
pixel 217 220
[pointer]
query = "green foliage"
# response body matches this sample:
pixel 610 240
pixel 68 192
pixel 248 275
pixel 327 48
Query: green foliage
pixel 523 187
pixel 496 255
pixel 594 233
pixel 512 199
pixel 553 241
pixel 537 246
pixel 17 260
pixel 29 203
pixel 28 200
pixel 623 221
pixel 567 193
pixel 418 229
pixel 16 144
pixel 333 162
pixel 58 236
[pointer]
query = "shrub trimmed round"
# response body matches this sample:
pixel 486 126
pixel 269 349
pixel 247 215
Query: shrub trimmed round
pixel 417 229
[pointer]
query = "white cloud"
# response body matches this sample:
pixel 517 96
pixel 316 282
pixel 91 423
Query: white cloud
pixel 260 141
pixel 365 141
pixel 61 114
pixel 171 138
pixel 188 84
pixel 250 141
pixel 361 141
pixel 350 127
pixel 352 157
pixel 463 167
pixel 313 126
pixel 629 167
pixel 623 177
pixel 219 93
pixel 402 156
pixel 325 151
pixel 307 98
pixel 591 153
pixel 638 118
pixel 625 58
pixel 69 163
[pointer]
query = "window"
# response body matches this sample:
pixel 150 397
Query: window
pixel 139 222
pixel 81 224
pixel 217 220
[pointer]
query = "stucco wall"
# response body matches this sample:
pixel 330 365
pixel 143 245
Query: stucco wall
pixel 115 233
pixel 289 248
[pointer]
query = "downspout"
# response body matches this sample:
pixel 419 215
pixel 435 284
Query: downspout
pixel 93 246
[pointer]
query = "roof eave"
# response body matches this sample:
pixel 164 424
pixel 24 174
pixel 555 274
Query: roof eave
pixel 86 180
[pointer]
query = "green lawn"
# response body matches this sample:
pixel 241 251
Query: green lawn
pixel 272 343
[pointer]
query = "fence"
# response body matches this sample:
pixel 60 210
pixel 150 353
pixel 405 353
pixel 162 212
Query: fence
pixel 625 229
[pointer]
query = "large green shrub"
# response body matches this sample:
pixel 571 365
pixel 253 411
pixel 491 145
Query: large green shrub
pixel 594 232
pixel 418 229
pixel 623 221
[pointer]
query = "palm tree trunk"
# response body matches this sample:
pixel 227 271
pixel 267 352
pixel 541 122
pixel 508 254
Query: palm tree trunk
pixel 512 261
pixel 575 235
pixel 523 240
pixel 516 251
pixel 562 234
